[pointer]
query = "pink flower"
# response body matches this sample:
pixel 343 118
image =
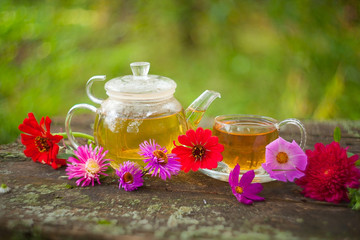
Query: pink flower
pixel 88 165
pixel 130 176
pixel 159 162
pixel 245 191
pixel 284 161
pixel 329 173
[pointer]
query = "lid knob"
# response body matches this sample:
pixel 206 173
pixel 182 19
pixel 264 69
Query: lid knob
pixel 140 68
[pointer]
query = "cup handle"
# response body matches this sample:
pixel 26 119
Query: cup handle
pixel 301 127
pixel 69 115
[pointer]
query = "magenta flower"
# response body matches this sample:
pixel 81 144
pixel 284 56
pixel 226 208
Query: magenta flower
pixel 159 162
pixel 285 161
pixel 245 191
pixel 329 173
pixel 130 176
pixel 88 165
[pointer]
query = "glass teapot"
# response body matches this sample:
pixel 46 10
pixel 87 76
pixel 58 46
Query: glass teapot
pixel 139 107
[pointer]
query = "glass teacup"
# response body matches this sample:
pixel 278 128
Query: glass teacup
pixel 245 137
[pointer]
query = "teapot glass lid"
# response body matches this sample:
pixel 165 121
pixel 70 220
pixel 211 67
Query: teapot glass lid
pixel 140 85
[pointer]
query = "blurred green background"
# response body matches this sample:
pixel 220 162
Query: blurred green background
pixel 275 58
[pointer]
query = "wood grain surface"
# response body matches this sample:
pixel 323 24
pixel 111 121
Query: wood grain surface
pixel 44 204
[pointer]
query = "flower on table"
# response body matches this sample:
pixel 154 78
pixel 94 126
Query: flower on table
pixel 245 191
pixel 130 176
pixel 4 188
pixel 329 173
pixel 159 161
pixel 88 165
pixel 285 161
pixel 199 149
pixel 40 144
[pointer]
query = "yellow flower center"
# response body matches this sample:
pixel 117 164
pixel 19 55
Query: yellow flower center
pixel 198 152
pixel 92 166
pixel 161 156
pixel 239 189
pixel 282 157
pixel 42 144
pixel 128 178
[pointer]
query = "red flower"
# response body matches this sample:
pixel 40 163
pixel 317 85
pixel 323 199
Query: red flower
pixel 40 144
pixel 198 150
pixel 329 173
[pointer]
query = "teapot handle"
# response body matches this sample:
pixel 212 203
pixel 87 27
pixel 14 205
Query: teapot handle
pixel 71 137
pixel 89 85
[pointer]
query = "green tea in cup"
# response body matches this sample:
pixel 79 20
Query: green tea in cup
pixel 245 138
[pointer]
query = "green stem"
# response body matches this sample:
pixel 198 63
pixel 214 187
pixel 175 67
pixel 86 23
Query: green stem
pixel 77 134
pixel 145 171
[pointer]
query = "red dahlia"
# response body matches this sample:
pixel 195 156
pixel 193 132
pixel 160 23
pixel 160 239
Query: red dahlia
pixel 40 144
pixel 198 150
pixel 329 173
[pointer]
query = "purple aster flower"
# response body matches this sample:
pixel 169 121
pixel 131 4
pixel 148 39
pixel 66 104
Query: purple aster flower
pixel 159 162
pixel 285 161
pixel 88 165
pixel 245 191
pixel 130 176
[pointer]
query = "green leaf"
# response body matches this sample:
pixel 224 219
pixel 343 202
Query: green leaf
pixel 357 163
pixel 104 222
pixel 337 134
pixel 109 171
pixel 69 149
pixel 68 186
pixel 65 155
pixel 354 196
pixel 349 154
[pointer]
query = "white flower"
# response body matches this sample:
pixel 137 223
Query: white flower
pixel 4 188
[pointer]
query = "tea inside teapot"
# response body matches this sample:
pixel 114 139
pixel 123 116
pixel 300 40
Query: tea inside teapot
pixel 124 135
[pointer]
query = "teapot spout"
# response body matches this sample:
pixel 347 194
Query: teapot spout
pixel 197 108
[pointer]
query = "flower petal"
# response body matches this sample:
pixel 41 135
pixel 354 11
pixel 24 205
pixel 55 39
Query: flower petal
pixel 299 162
pixel 253 189
pixel 246 201
pixel 47 123
pixel 284 171
pixel 192 137
pixel 234 176
pixel 214 145
pixel 203 138
pixel 283 145
pixel 247 178
pixel 254 197
pixel 274 146
pixel 185 140
pixel 198 135
pixel 163 165
pixel 212 157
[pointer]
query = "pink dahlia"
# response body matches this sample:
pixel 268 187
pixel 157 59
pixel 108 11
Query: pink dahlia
pixel 329 173
pixel 245 191
pixel 198 150
pixel 285 161
pixel 130 176
pixel 88 165
pixel 159 161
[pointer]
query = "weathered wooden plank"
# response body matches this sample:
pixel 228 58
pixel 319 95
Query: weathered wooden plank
pixel 44 203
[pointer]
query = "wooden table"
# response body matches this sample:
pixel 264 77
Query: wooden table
pixel 43 204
